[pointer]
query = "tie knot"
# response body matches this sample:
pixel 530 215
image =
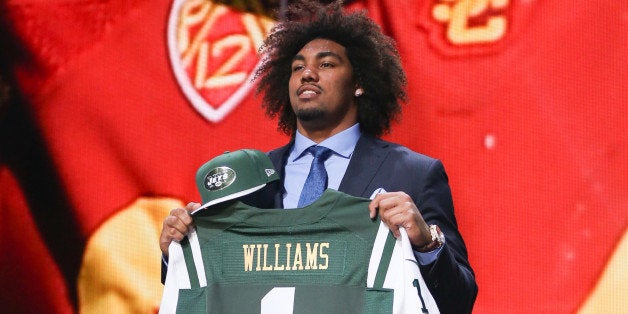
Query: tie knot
pixel 320 152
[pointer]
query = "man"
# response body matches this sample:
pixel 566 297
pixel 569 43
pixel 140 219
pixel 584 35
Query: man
pixel 345 81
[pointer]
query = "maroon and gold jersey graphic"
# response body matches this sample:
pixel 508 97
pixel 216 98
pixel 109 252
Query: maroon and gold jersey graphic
pixel 462 27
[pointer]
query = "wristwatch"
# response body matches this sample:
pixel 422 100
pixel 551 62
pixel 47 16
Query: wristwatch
pixel 438 239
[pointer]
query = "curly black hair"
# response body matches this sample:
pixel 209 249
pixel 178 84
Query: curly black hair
pixel 373 56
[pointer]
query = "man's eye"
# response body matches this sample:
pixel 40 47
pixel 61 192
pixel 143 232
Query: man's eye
pixel 327 65
pixel 297 68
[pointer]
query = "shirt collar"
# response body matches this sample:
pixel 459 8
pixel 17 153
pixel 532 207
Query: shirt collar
pixel 342 143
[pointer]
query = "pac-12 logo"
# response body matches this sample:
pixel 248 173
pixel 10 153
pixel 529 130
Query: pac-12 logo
pixel 463 27
pixel 213 53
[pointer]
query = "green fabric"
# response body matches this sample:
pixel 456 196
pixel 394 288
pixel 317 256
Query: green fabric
pixel 189 263
pixel 378 301
pixel 322 250
pixel 192 301
pixel 384 262
pixel 315 299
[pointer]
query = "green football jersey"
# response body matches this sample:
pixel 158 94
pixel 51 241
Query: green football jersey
pixel 328 257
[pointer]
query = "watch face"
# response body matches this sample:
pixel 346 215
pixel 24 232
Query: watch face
pixel 437 235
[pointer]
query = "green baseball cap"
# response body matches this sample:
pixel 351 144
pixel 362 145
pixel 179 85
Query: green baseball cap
pixel 232 175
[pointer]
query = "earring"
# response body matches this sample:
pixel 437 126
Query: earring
pixel 359 92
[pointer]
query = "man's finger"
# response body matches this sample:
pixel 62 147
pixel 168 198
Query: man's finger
pixel 374 207
pixel 192 206
pixel 182 215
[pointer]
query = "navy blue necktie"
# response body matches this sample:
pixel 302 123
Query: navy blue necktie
pixel 316 181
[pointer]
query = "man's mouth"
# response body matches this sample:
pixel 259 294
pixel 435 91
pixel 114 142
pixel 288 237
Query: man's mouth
pixel 308 91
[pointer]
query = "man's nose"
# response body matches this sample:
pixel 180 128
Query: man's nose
pixel 309 75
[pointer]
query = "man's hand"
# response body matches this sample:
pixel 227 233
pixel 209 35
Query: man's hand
pixel 176 225
pixel 396 209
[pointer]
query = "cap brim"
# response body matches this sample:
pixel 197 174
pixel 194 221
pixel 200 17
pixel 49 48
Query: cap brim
pixel 229 197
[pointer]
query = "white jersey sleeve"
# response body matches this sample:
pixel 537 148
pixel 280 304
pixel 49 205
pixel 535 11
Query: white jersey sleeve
pixel 403 275
pixel 177 276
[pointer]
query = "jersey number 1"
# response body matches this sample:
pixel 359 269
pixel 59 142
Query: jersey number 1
pixel 279 300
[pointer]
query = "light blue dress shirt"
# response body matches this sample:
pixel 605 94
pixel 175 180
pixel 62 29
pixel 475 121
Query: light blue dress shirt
pixel 298 167
pixel 298 164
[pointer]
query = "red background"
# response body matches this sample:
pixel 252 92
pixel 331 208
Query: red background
pixel 531 128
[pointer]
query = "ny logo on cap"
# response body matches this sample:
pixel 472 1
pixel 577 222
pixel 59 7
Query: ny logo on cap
pixel 219 178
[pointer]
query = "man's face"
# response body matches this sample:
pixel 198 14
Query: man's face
pixel 322 87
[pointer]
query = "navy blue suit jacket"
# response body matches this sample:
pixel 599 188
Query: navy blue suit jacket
pixel 376 163
pixel 379 164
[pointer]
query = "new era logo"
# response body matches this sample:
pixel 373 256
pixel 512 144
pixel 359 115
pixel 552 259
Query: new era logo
pixel 269 172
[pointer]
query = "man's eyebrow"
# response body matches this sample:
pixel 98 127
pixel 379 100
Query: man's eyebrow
pixel 324 54
pixel 319 55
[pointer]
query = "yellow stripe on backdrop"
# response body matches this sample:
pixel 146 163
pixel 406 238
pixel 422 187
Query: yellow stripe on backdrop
pixel 120 272
pixel 609 295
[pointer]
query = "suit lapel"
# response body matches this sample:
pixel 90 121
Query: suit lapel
pixel 279 157
pixel 365 162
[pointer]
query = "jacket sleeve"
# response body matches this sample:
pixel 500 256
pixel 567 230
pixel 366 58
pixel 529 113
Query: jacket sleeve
pixel 449 278
pixel 164 268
